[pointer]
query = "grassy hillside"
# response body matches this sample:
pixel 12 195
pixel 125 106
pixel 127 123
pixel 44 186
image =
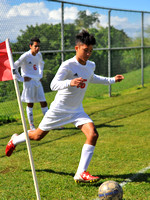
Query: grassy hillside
pixel 132 79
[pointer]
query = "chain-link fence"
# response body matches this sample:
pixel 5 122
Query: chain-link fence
pixel 123 39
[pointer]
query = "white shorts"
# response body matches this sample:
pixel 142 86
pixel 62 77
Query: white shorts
pixel 32 92
pixel 52 120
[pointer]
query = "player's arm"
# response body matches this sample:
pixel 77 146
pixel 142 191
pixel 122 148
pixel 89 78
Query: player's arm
pixel 105 80
pixel 16 66
pixel 60 81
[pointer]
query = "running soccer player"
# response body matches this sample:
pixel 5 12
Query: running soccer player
pixel 32 64
pixel 71 81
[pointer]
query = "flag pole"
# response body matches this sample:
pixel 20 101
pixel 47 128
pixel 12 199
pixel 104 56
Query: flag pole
pixel 23 121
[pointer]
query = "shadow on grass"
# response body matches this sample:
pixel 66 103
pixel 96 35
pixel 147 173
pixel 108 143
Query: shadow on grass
pixel 109 126
pixel 65 174
pixel 118 118
pixel 1 138
pixel 142 177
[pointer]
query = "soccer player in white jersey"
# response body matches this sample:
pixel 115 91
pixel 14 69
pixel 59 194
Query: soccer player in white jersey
pixel 71 81
pixel 32 64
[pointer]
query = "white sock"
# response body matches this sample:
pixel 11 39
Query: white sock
pixel 19 139
pixel 86 155
pixel 30 114
pixel 44 110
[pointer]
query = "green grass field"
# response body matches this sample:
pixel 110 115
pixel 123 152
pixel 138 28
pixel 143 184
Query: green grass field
pixel 122 150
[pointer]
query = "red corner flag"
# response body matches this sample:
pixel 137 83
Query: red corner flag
pixel 5 68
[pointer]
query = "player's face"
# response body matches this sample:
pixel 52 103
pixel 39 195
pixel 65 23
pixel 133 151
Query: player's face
pixel 35 47
pixel 83 52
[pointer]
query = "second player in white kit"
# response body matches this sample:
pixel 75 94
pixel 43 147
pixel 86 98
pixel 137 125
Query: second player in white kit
pixel 32 65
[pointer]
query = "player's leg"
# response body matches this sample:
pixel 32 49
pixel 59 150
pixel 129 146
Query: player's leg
pixel 50 120
pixel 37 134
pixel 29 110
pixel 90 132
pixel 44 107
pixel 28 96
pixel 87 152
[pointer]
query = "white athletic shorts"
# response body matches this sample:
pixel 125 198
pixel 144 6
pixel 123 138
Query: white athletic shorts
pixel 52 120
pixel 32 92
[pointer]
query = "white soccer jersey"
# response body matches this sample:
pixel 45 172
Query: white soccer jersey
pixel 69 99
pixel 31 66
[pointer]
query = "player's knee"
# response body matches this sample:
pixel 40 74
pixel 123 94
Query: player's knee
pixel 43 104
pixel 37 134
pixel 94 135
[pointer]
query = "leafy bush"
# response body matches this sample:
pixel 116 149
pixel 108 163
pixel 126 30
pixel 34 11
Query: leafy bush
pixel 5 119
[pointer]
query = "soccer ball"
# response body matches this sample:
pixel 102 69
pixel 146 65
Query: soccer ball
pixel 110 190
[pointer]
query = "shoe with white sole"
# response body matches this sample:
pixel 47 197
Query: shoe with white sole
pixel 10 147
pixel 85 177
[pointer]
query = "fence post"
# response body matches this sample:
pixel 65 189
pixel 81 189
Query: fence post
pixel 62 31
pixel 142 49
pixel 109 51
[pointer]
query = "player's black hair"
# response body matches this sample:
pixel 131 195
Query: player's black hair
pixel 85 38
pixel 35 39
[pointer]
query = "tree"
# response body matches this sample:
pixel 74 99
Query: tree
pixel 132 58
pixel 49 35
pixel 101 57
pixel 86 21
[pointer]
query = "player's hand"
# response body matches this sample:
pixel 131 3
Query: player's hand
pixel 78 82
pixel 119 78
